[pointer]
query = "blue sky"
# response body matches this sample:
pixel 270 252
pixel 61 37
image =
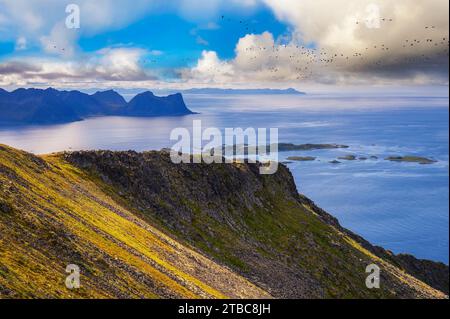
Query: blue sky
pixel 175 35
pixel 269 43
pixel 178 38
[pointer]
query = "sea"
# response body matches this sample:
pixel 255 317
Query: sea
pixel 403 207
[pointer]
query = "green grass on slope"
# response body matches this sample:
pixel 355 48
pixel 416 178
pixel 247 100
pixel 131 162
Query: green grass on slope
pixel 51 217
pixel 254 224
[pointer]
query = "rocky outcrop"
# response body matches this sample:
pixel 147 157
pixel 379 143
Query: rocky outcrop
pixel 258 225
pixel 147 104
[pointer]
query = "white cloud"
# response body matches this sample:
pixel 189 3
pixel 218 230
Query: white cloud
pixel 334 27
pixel 340 26
pixel 258 59
pixel 410 46
pixel 211 69
pixel 61 41
pixel 102 68
pixel 120 64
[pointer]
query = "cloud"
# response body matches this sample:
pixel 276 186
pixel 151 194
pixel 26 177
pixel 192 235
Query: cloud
pixel 210 69
pixel 201 41
pixel 349 42
pixel 398 46
pixel 210 26
pixel 15 67
pixel 103 67
pixel 39 17
pixel 21 44
pixel 42 22
pixel 121 64
pixel 60 41
pixel 258 59
pixel 332 42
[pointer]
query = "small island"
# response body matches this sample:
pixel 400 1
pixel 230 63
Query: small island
pixel 411 159
pixel 348 158
pixel 286 147
pixel 335 162
pixel 282 147
pixel 302 158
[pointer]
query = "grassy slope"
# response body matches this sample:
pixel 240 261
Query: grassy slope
pixel 257 225
pixel 51 215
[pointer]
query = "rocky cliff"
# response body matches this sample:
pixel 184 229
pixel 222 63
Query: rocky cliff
pixel 256 224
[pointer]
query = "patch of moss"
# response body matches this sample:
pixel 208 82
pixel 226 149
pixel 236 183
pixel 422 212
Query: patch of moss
pixel 6 207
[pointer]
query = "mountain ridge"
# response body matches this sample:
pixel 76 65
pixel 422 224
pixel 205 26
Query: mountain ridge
pixel 50 106
pixel 248 221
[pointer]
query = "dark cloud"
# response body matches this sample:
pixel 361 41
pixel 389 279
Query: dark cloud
pixel 13 67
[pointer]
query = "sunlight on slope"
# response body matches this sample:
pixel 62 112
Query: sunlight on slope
pixel 53 218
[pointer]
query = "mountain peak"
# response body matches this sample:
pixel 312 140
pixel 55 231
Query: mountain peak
pixel 147 103
pixel 106 92
pixel 146 93
pixel 49 106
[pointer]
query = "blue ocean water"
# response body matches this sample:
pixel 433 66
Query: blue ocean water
pixel 403 207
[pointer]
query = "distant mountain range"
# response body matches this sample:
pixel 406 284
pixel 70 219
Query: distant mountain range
pixel 243 91
pixel 211 91
pixel 37 106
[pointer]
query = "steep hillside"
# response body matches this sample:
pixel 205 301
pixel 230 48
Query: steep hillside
pixel 140 226
pixel 256 224
pixel 51 216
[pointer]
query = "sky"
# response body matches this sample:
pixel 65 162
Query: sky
pixel 223 43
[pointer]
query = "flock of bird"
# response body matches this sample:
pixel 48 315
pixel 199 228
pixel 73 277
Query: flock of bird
pixel 304 60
